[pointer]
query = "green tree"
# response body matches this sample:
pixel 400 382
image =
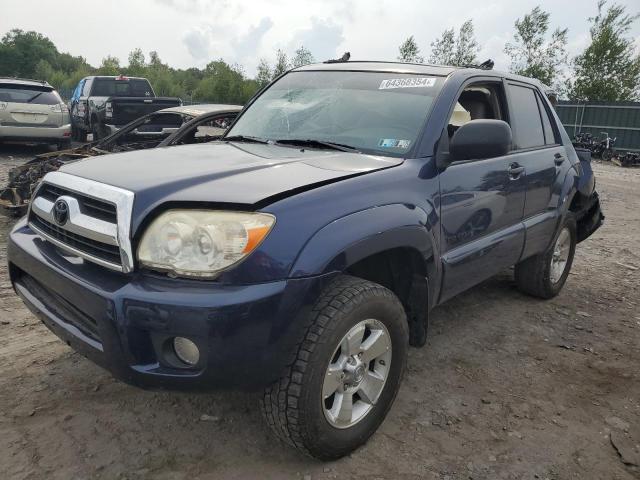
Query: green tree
pixel 609 68
pixel 532 53
pixel 282 64
pixel 443 48
pixel 457 50
pixel 21 51
pixel 410 52
pixel 302 57
pixel 110 66
pixel 264 74
pixel 136 62
pixel 466 46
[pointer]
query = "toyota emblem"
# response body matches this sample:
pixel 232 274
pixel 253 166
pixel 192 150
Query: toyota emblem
pixel 61 212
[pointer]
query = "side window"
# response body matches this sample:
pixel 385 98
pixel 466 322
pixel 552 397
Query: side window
pixel 477 101
pixel 549 131
pixel 525 118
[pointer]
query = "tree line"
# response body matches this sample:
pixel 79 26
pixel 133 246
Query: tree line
pixel 608 69
pixel 33 55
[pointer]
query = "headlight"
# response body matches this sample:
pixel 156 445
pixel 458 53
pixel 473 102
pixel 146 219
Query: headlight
pixel 201 243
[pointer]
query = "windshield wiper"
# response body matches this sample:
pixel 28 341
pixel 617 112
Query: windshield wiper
pixel 244 138
pixel 34 97
pixel 318 144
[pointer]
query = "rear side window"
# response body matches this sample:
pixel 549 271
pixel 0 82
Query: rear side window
pixel 549 133
pixel 115 87
pixel 525 118
pixel 28 94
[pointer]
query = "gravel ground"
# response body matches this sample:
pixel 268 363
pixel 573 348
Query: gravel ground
pixel 507 387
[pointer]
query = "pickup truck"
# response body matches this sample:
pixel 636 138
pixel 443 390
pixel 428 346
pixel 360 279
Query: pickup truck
pixel 301 254
pixel 100 105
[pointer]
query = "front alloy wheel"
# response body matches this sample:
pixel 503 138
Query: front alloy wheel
pixel 357 373
pixel 346 373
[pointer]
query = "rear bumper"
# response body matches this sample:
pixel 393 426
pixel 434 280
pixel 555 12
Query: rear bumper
pixel 126 322
pixel 35 133
pixel 590 218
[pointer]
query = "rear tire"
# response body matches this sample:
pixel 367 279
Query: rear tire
pixel 309 407
pixel 545 274
pixel 96 132
pixel 81 135
pixel 64 145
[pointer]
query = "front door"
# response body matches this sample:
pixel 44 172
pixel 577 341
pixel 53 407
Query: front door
pixel 481 202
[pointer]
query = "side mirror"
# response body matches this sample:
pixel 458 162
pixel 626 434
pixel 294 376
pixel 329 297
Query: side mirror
pixel 480 139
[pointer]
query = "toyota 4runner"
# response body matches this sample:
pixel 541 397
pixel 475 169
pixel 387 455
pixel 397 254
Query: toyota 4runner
pixel 302 253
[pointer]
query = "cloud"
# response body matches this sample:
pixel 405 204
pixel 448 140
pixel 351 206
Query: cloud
pixel 197 44
pixel 322 38
pixel 247 44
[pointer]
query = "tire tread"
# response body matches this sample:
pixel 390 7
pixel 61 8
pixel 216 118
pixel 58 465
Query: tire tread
pixel 279 402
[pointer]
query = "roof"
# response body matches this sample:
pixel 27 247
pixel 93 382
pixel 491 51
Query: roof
pixel 24 81
pixel 414 68
pixel 376 66
pixel 115 76
pixel 202 109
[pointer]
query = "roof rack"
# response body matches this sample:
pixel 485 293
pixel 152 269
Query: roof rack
pixel 486 65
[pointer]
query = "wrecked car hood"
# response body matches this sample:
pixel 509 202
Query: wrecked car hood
pixel 239 173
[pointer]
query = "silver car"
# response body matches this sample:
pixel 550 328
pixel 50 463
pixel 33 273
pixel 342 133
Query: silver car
pixel 31 111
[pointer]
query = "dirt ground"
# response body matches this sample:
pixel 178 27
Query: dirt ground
pixel 509 387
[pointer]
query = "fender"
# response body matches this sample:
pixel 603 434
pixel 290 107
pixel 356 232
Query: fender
pixel 349 239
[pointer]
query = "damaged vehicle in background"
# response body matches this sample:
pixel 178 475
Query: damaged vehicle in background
pixel 168 127
pixel 100 105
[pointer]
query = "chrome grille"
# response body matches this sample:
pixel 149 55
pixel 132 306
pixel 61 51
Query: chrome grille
pixel 91 206
pixel 97 223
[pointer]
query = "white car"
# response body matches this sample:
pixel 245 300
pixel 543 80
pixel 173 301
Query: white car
pixel 31 111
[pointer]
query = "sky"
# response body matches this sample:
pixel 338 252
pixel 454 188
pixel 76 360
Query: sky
pixel 189 33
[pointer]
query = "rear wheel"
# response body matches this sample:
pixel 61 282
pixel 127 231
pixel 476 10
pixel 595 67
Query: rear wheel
pixel 96 132
pixel 545 274
pixel 64 145
pixel 81 135
pixel 346 373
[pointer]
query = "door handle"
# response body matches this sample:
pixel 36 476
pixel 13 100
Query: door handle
pixel 558 159
pixel 515 170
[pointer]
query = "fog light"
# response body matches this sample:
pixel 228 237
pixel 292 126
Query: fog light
pixel 186 350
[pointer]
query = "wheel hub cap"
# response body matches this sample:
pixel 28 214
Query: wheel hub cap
pixel 356 374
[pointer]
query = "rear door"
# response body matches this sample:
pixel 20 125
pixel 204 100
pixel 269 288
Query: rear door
pixel 536 144
pixel 481 201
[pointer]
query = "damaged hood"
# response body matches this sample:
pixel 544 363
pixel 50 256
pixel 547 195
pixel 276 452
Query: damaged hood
pixel 238 173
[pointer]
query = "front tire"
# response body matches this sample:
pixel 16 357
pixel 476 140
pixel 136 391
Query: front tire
pixel 346 373
pixel 545 274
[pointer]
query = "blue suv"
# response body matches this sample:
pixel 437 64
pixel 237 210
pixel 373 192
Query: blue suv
pixel 301 254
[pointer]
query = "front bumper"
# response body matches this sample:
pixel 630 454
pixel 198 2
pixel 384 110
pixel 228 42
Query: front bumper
pixel 125 322
pixel 35 133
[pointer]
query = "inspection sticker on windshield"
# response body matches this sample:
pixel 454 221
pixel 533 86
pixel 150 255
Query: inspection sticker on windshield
pixel 411 82
pixel 393 143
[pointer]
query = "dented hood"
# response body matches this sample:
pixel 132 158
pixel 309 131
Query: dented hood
pixel 239 173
